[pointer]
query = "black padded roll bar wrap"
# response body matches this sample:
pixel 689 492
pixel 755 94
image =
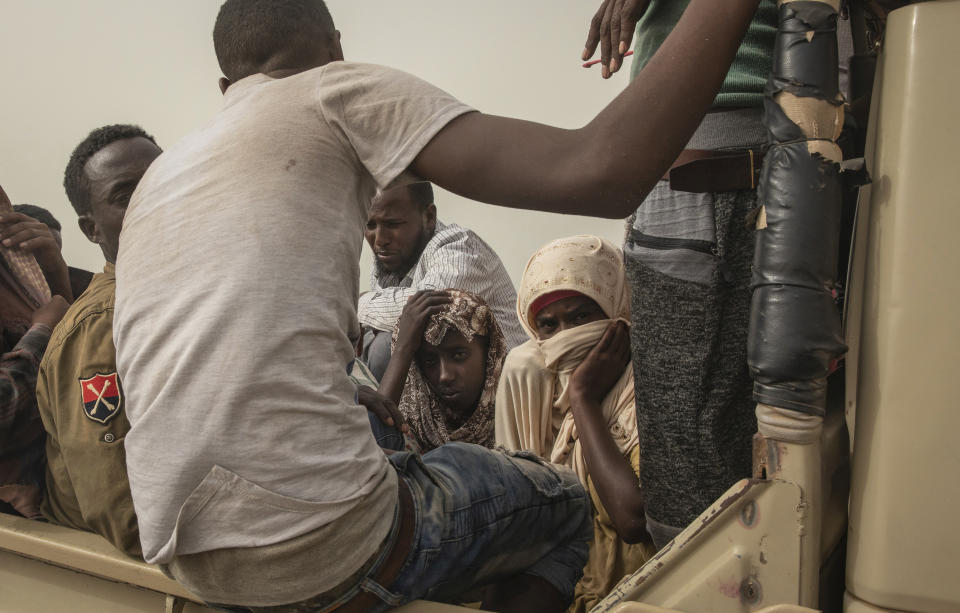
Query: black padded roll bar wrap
pixel 795 328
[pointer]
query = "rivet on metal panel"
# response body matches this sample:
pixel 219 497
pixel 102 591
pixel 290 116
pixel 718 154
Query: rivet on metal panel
pixel 750 591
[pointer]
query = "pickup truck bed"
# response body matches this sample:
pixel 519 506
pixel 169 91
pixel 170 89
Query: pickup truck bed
pixel 49 568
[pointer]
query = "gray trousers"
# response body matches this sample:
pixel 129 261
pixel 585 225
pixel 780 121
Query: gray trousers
pixel 690 305
pixel 376 351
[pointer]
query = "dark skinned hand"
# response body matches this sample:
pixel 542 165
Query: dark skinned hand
pixel 51 313
pixel 612 28
pixel 25 232
pixel 413 320
pixel 603 366
pixel 384 408
pixel 416 313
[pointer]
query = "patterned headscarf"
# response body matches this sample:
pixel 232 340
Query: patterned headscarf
pixel 426 413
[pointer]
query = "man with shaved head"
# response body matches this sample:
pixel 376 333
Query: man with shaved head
pixel 254 473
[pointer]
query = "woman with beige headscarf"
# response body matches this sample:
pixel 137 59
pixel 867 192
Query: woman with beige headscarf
pixel 567 395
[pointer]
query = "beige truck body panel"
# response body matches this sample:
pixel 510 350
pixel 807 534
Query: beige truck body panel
pixel 904 336
pixel 903 326
pixel 48 568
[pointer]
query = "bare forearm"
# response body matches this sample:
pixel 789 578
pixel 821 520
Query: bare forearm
pixel 606 168
pixel 417 312
pixel 59 282
pixel 643 130
pixel 395 376
pixel 616 483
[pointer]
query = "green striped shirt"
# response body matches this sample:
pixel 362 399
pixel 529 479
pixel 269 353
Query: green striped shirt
pixel 743 86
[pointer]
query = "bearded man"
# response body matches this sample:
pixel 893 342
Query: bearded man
pixel 413 251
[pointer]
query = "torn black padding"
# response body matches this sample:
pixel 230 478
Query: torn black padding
pixel 795 329
pixel 810 63
pixel 777 85
pixel 815 15
pixel 781 128
pixel 800 243
pixel 796 397
pixel 785 356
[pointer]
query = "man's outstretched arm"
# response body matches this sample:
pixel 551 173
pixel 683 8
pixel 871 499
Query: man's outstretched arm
pixel 606 168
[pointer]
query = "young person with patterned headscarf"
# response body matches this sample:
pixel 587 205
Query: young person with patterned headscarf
pixel 567 395
pixel 446 359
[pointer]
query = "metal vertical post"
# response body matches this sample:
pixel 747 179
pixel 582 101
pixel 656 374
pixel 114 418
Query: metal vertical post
pixel 795 331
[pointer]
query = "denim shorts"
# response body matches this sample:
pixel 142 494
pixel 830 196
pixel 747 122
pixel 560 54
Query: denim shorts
pixel 483 516
pixel 480 516
pixel 695 411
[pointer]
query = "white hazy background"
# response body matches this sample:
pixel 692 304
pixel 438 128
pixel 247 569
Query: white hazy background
pixel 69 67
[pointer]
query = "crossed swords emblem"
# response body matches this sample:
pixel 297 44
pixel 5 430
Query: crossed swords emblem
pixel 100 398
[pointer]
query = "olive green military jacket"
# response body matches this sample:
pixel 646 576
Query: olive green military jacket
pixel 81 403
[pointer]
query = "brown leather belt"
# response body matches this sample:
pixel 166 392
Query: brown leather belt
pixel 388 571
pixel 705 170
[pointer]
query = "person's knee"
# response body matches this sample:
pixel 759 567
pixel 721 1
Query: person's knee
pixel 376 351
pixel 550 480
pixel 523 477
pixel 558 489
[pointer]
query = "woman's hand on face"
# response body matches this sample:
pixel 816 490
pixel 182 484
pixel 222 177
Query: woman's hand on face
pixel 416 313
pixel 602 368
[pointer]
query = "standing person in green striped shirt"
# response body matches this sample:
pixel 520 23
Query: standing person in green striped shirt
pixel 688 251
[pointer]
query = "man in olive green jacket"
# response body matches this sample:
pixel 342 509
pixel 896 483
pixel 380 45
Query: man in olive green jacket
pixel 79 393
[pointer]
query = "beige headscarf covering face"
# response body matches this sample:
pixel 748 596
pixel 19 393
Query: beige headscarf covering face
pixel 533 407
pixel 586 264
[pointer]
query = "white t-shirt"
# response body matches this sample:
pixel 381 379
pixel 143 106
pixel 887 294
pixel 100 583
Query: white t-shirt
pixel 237 286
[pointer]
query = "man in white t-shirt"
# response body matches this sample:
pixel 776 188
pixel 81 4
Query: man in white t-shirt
pixel 255 476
